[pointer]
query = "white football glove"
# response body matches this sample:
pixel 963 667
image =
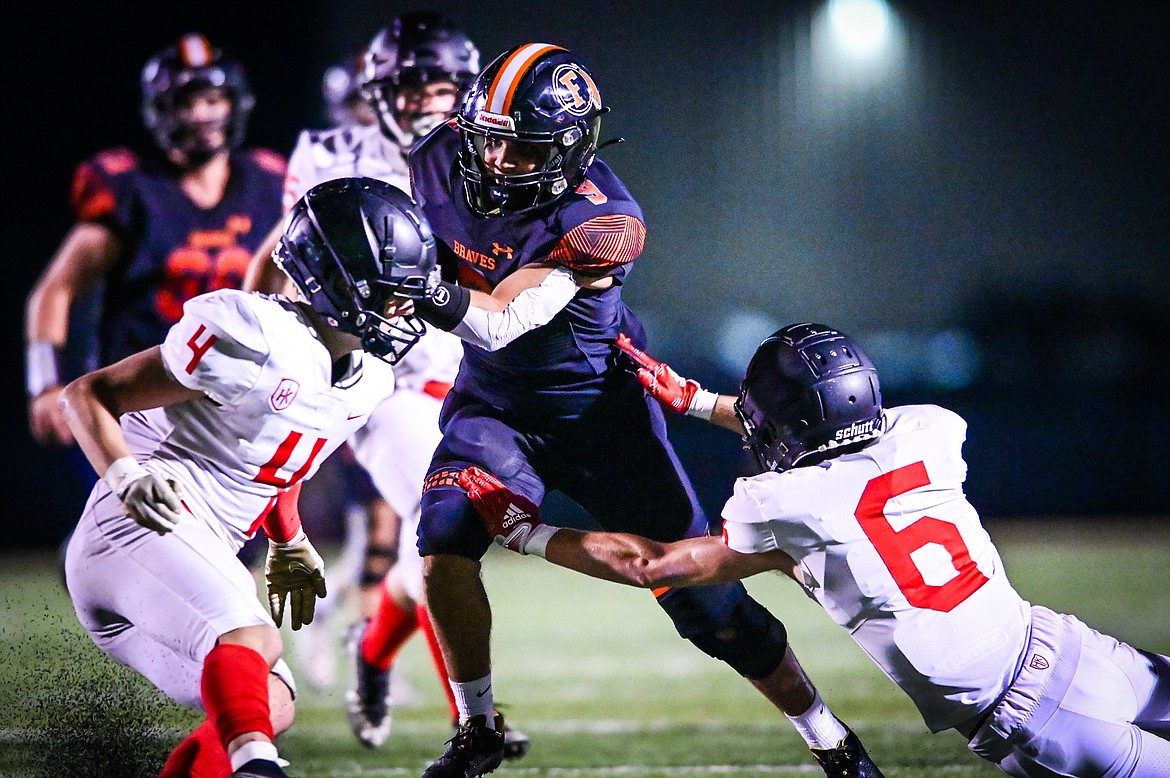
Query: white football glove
pixel 294 570
pixel 153 502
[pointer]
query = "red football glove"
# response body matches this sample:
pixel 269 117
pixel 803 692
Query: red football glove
pixel 666 386
pixel 510 518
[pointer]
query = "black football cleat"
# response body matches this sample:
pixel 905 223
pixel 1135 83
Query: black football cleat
pixel 367 704
pixel 847 760
pixel 515 742
pixel 477 748
pixel 259 768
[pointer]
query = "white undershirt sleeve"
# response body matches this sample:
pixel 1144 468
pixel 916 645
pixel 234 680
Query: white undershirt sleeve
pixel 532 308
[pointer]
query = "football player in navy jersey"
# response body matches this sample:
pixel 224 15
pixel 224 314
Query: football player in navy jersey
pixel 538 236
pixel 157 226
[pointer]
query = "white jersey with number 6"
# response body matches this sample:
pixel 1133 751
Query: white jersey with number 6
pixel 271 411
pixel 889 546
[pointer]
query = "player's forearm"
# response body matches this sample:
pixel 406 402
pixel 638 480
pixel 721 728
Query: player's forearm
pixel 493 321
pixel 263 275
pixel 93 423
pixel 724 415
pixel 46 315
pixel 629 559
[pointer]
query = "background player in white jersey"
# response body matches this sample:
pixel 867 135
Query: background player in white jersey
pixel 864 508
pixel 197 440
pixel 415 72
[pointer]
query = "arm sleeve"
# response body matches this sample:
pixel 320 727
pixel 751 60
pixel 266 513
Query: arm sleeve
pixel 217 348
pixel 601 245
pixel 532 308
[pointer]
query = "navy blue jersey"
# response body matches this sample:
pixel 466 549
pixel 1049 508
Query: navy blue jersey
pixel 558 369
pixel 173 249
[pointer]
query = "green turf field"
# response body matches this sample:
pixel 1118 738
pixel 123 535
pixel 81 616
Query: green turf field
pixel 592 671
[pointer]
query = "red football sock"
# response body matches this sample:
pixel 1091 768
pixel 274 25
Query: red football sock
pixel 200 755
pixel 387 631
pixel 235 692
pixel 424 624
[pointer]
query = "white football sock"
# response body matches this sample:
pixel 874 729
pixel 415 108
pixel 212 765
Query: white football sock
pixel 474 698
pixel 818 726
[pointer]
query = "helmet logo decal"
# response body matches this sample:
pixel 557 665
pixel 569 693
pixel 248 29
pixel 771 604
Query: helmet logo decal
pixel 284 394
pixel 499 99
pixel 497 120
pixel 580 95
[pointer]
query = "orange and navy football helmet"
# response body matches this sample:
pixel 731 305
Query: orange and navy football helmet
pixel 418 47
pixel 171 75
pixel 539 94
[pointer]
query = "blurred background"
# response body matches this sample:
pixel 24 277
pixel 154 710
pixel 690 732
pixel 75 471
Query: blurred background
pixel 976 190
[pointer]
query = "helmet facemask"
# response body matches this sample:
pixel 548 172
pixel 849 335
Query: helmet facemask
pixel 561 162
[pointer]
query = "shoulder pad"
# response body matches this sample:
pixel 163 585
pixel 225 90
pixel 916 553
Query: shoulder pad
pixel 116 161
pixel 269 160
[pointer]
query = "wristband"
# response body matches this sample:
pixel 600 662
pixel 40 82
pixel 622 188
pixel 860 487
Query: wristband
pixel 444 307
pixel 537 542
pixel 295 541
pixel 703 404
pixel 122 472
pixel 40 367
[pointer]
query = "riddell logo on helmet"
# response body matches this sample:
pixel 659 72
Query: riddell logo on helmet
pixel 855 431
pixel 495 120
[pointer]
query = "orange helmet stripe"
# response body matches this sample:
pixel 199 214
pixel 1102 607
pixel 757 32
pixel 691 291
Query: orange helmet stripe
pixel 194 50
pixel 504 85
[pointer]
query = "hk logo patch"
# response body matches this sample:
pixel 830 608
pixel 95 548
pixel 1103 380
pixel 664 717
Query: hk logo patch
pixel 286 392
pixel 1038 662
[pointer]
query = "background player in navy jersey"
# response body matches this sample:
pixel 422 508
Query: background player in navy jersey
pixel 524 212
pixel 155 226
pixel 863 506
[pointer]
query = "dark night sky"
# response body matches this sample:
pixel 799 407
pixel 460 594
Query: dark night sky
pixel 1017 173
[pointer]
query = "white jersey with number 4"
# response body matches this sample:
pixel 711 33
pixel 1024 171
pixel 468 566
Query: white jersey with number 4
pixel 270 413
pixel 323 155
pixel 888 544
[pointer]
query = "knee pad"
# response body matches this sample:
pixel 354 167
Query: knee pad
pixel 727 624
pixel 449 524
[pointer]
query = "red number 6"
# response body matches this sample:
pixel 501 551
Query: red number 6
pixel 895 547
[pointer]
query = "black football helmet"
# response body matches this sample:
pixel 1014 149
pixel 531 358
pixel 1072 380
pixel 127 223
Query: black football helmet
pixel 418 47
pixel 350 245
pixel 192 63
pixel 809 390
pixel 536 93
pixel 341 91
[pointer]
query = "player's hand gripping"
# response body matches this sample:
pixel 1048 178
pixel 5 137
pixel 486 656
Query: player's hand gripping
pixel 294 572
pixel 511 519
pixel 152 501
pixel 681 395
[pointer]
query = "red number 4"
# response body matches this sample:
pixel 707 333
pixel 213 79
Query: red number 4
pixel 895 547
pixel 269 470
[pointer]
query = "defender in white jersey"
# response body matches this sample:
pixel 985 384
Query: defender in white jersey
pixel 864 508
pixel 201 440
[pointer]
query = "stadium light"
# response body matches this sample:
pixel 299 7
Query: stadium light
pixel 860 28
